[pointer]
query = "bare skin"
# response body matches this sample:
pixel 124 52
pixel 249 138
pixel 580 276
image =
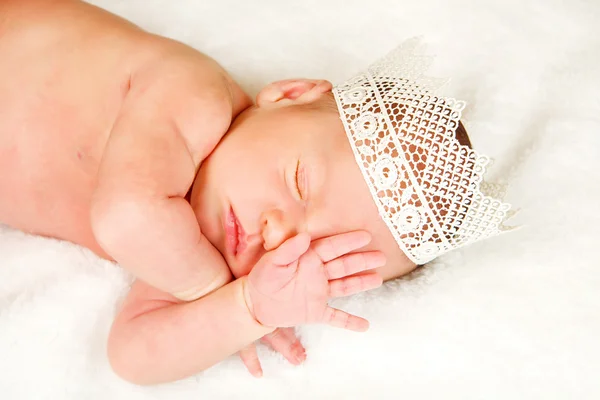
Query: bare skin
pixel 103 129
pixel 73 70
pixel 61 55
pixel 49 160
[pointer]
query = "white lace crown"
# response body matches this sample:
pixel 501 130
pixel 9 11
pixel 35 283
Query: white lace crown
pixel 427 186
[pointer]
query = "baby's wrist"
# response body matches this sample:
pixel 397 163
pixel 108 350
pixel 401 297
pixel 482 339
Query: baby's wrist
pixel 194 293
pixel 248 301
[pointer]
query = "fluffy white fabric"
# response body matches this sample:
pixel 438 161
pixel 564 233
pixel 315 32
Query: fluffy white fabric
pixel 517 317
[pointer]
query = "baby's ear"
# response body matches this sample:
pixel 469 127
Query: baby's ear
pixel 292 91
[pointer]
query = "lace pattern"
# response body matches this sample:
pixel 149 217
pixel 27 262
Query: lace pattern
pixel 428 188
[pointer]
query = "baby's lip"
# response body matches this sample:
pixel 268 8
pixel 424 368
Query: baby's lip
pixel 235 241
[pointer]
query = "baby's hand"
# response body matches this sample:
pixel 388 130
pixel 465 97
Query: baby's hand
pixel 291 285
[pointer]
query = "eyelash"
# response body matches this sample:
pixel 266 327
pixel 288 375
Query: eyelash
pixel 297 180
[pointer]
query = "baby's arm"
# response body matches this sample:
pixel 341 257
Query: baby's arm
pixel 157 338
pixel 175 113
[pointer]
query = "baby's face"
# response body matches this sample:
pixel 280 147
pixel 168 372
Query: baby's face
pixel 281 170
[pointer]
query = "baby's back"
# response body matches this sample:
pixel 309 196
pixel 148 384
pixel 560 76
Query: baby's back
pixel 64 73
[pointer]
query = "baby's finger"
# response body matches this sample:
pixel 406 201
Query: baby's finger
pixel 354 263
pixel 250 359
pixel 285 342
pixel 332 247
pixel 291 249
pixel 354 284
pixel 341 319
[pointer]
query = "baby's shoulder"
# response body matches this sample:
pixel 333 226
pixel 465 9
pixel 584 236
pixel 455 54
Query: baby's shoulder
pixel 186 81
pixel 165 62
pixel 192 89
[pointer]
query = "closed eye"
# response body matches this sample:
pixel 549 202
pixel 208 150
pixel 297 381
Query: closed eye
pixel 300 180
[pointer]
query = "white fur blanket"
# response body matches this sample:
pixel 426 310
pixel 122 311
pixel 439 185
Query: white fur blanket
pixel 517 317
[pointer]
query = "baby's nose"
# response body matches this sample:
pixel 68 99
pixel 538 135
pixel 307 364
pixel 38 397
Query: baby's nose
pixel 275 228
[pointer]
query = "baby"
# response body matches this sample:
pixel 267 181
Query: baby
pixel 236 218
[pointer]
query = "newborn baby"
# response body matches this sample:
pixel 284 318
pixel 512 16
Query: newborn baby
pixel 148 153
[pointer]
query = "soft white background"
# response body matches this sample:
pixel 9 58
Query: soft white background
pixel 517 317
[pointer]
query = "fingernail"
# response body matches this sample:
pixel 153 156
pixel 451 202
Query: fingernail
pixel 258 374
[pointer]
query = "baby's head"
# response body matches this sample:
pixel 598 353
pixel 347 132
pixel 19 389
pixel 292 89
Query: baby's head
pixel 286 166
pixel 379 153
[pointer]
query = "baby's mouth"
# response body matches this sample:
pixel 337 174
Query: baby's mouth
pixel 236 237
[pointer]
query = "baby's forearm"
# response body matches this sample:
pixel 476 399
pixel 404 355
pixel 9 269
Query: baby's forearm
pixel 159 241
pixel 168 341
pixel 176 111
